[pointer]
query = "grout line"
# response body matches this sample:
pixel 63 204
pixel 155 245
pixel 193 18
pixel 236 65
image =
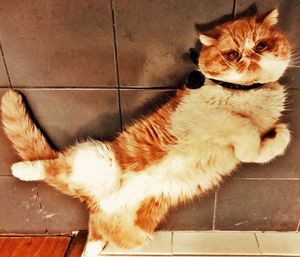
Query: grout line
pixel 5 65
pixel 215 210
pixel 298 227
pixel 258 245
pixel 116 57
pixel 234 8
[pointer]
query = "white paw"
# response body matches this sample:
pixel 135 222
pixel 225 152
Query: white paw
pixel 273 147
pixel 247 153
pixel 28 171
pixel 93 249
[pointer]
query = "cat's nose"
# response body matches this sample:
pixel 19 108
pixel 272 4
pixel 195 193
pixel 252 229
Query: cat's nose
pixel 248 53
pixel 251 55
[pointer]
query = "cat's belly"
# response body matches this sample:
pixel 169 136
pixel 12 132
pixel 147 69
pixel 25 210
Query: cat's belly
pixel 179 176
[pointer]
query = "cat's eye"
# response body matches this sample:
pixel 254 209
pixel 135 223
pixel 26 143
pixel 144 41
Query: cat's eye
pixel 261 46
pixel 232 55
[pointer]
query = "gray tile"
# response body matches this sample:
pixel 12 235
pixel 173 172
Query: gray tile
pixel 20 209
pixel 58 43
pixel 61 213
pixel 161 245
pixel 69 115
pixel 197 215
pixel 153 42
pixel 214 243
pixel 136 103
pixel 8 155
pixel 285 244
pixel 263 205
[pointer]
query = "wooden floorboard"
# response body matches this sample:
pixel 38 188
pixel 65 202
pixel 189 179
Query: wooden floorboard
pixel 77 245
pixel 55 246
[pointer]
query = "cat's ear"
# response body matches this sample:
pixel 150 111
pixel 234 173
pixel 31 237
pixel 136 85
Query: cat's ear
pixel 206 40
pixel 271 18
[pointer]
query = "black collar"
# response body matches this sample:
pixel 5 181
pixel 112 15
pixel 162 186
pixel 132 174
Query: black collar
pixel 236 86
pixel 196 80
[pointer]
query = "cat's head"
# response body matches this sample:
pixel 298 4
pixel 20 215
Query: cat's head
pixel 245 51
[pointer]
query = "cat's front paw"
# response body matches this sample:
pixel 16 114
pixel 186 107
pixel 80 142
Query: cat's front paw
pixel 28 171
pixel 248 152
pixel 274 144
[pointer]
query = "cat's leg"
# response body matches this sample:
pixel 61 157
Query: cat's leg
pixel 95 243
pixel 93 248
pixel 54 172
pixel 276 145
pixel 87 168
pixel 42 169
pixel 246 142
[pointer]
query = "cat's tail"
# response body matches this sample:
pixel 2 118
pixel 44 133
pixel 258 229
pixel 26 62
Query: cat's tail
pixel 27 139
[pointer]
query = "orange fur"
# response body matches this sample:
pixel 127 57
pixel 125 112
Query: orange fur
pixel 147 141
pixel 27 139
pixel 152 211
pixel 56 167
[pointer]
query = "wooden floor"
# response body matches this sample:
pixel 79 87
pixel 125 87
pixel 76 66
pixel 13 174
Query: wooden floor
pixel 34 246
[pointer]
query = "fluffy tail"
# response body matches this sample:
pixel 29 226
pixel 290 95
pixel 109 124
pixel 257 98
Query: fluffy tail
pixel 27 139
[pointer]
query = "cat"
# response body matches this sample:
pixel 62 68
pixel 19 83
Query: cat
pixel 182 150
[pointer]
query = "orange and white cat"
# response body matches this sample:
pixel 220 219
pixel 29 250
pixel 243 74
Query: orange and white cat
pixel 180 151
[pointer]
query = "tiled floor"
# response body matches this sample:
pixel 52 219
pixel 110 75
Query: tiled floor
pixel 90 67
pixel 217 243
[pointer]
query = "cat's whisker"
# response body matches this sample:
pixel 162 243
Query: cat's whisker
pixel 295 63
pixel 292 62
pixel 294 66
pixel 295 54
pixel 295 58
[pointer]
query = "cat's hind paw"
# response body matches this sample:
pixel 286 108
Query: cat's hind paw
pixel 28 171
pixel 93 249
